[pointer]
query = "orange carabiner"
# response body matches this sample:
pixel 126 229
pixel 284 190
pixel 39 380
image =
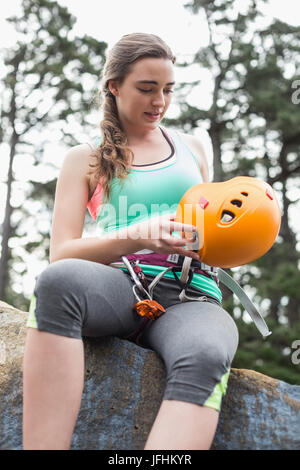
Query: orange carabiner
pixel 149 308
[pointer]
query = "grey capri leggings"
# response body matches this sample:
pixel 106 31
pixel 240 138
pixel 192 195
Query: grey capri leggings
pixel 196 340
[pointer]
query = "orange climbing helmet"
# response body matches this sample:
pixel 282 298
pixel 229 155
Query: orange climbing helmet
pixel 237 220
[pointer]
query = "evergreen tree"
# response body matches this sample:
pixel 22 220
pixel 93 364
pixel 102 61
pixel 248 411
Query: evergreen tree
pixel 50 83
pixel 269 89
pixel 254 126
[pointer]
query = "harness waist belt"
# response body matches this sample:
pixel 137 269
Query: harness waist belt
pixel 170 261
pixel 188 265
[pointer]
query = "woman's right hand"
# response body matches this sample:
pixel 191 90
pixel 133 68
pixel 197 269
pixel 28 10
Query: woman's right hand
pixel 155 234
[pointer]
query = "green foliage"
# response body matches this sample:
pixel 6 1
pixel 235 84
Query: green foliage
pixel 271 356
pixel 56 58
pixel 45 82
pixel 254 118
pixel 273 102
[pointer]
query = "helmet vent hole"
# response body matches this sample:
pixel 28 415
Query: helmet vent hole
pixel 227 217
pixel 236 202
pixel 244 194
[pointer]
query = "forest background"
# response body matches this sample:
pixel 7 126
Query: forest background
pixel 239 88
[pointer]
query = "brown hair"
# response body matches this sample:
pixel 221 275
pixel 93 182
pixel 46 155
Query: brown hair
pixel 113 156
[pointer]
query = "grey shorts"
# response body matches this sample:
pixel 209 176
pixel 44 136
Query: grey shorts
pixel 196 340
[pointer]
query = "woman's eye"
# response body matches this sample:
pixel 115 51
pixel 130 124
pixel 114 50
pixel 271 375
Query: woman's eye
pixel 149 91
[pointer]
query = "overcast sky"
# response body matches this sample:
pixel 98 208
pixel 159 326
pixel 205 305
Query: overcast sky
pixel 108 20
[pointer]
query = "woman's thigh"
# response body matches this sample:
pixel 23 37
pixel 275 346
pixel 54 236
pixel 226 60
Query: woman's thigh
pixel 190 327
pixel 76 298
pixel 197 342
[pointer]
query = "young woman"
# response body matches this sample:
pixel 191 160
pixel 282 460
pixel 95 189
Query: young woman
pixel 140 162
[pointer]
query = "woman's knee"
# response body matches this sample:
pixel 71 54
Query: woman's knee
pixel 207 349
pixel 59 298
pixel 200 359
pixel 199 371
pixel 218 341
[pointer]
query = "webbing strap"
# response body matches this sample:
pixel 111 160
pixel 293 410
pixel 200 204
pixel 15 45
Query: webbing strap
pixel 229 282
pixel 185 269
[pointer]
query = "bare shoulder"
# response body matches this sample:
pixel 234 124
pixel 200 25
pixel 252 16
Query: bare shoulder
pixel 78 156
pixel 196 145
pixel 77 163
pixel 194 142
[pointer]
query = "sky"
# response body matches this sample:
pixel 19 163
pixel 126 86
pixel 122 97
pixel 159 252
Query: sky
pixel 109 20
pixel 167 18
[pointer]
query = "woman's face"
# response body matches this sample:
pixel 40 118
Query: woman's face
pixel 145 94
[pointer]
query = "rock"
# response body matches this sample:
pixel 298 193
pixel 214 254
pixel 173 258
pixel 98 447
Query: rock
pixel 124 386
pixel 258 413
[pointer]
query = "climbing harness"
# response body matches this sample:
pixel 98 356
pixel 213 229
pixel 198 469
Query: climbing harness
pixel 150 309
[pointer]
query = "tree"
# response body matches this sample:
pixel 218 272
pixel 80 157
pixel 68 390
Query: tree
pixel 226 57
pixel 279 47
pixel 254 126
pixel 252 121
pixel 50 82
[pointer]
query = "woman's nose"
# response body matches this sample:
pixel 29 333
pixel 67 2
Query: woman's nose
pixel 159 99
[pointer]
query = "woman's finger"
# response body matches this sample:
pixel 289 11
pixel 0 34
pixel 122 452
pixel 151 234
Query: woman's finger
pixel 179 227
pixel 190 254
pixel 173 216
pixel 178 242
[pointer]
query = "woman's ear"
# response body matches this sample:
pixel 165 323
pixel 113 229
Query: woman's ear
pixel 113 87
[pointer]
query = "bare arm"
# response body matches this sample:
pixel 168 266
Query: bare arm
pixel 71 199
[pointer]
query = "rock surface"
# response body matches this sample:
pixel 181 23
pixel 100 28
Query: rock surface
pixel 123 389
